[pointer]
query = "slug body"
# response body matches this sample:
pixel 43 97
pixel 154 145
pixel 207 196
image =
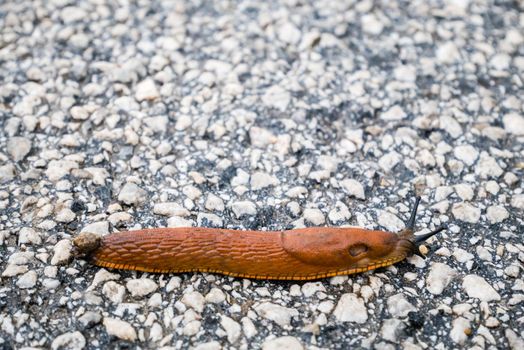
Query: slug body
pixel 299 254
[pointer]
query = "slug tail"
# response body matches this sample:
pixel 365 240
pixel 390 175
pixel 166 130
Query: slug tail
pixel 85 243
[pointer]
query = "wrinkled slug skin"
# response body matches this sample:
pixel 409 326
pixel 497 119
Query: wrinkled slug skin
pixel 300 254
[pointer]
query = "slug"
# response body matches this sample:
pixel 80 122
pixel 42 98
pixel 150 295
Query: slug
pixel 298 254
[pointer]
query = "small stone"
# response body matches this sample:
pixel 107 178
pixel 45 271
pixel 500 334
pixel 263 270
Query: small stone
pixel 141 287
pixel 514 124
pixel 114 291
pixel 248 327
pixel 371 24
pixel 18 148
pixel 350 308
pixel 394 113
pixel 515 342
pixel 191 328
pixel 79 113
pixel 439 277
pixel 101 228
pixel 464 191
pixel 309 289
pixel 7 173
pixel 477 287
pixel 56 169
pixel 314 216
pixel 206 220
pixel 517 201
pixel 194 300
pixel 70 14
pixel 339 214
pixel 243 208
pixel 146 90
pixel 390 221
pixel 466 212
pixel 27 280
pixel 289 33
pixel 215 296
pixel 28 236
pixel 496 214
pixel 389 160
pixel 462 256
pixel 214 203
pixel 459 330
pixel 282 343
pixel 261 137
pixel 500 61
pixel 276 97
pixel 191 192
pixel 212 345
pixel 99 175
pixel 398 306
pixel 261 180
pixel 392 329
pixel 69 341
pixel 90 319
pixel 177 221
pixel 276 313
pixel 488 167
pixel 448 52
pixel 466 153
pixel 170 209
pixel 232 328
pixel 353 188
pixel 452 127
pixel 131 194
pixel 156 332
pixel 14 270
pixel 62 252
pixel 65 215
pixel 120 329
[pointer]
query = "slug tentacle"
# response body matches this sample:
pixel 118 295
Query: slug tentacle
pixel 409 232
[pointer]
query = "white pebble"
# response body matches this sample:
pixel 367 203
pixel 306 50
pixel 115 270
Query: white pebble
pixel 439 277
pixel 120 329
pixel 62 252
pixel 242 208
pixel 194 300
pixel 496 214
pixel 282 343
pixel 466 212
pixel 141 287
pixel 131 194
pixel 353 188
pixel 27 280
pixel 350 308
pixel 70 341
pixel 232 328
pixel 314 216
pixel 477 287
pixel 276 313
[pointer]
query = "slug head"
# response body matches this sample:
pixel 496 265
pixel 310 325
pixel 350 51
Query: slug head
pixel 344 248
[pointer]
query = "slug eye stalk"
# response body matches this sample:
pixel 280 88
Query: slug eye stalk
pixel 408 232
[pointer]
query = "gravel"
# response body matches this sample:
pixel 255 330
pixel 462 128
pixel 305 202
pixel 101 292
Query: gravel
pixel 267 116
